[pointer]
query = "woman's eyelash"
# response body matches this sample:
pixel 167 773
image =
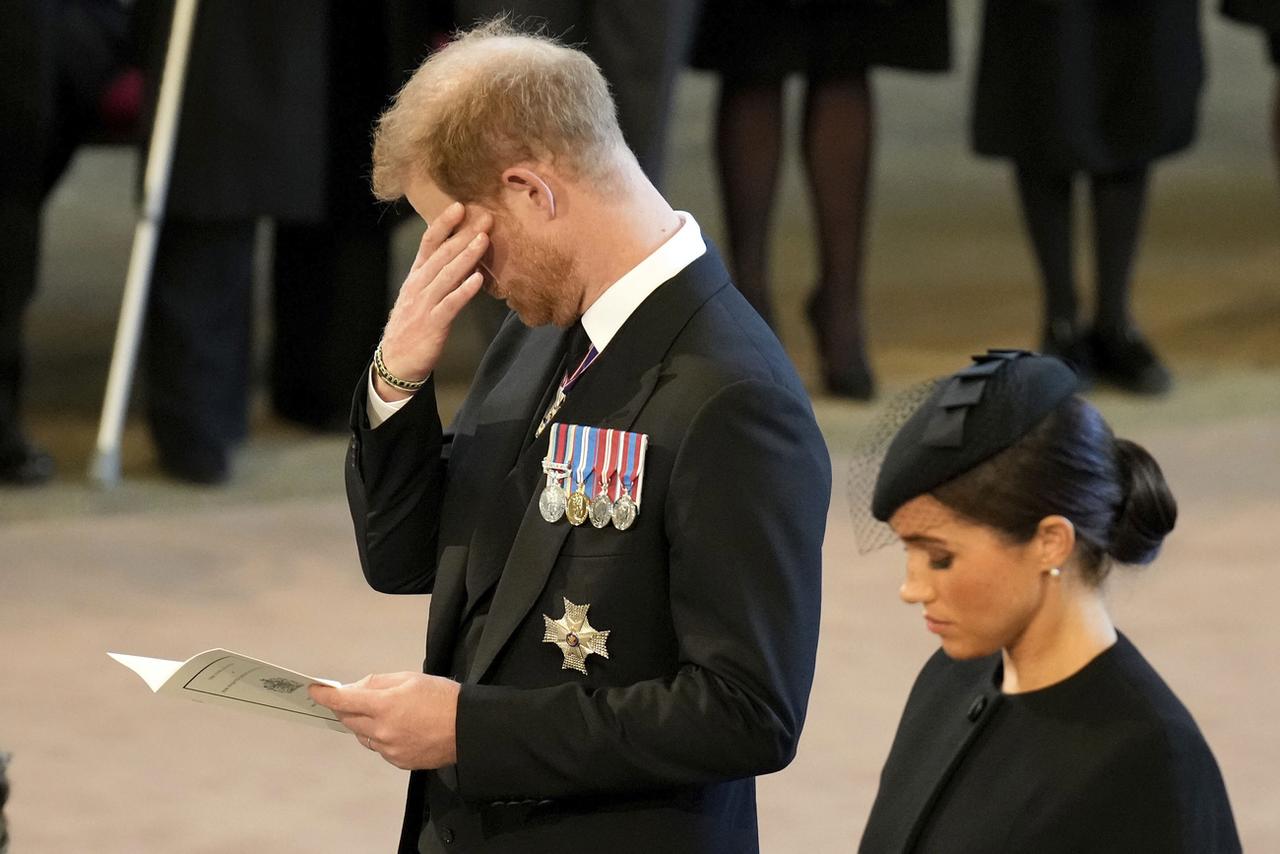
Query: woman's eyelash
pixel 943 562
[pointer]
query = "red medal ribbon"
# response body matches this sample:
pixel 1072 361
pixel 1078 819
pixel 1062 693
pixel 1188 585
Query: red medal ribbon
pixel 607 461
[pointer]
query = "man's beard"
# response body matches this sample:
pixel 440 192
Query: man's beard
pixel 547 289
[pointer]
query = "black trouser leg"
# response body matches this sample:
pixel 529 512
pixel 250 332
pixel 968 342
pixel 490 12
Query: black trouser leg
pixel 20 249
pixel 198 344
pixel 331 300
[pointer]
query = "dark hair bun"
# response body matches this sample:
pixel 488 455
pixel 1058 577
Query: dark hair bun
pixel 1148 511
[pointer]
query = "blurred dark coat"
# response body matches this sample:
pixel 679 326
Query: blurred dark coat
pixel 255 128
pixel 1094 85
pixel 279 102
pixel 26 95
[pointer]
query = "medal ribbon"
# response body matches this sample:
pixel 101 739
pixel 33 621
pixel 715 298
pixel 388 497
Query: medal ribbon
pixel 604 453
pixel 571 379
pixel 555 446
pixel 643 442
pixel 561 439
pixel 585 451
pixel 568 381
pixel 570 433
pixel 622 483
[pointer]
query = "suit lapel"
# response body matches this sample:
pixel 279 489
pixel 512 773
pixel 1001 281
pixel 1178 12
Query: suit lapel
pixel 524 391
pixel 611 393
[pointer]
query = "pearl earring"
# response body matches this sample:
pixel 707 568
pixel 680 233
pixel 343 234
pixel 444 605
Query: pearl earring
pixel 1054 572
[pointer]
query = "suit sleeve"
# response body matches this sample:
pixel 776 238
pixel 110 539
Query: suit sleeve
pixel 745 516
pixel 396 476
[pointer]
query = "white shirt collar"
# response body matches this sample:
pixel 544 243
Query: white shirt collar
pixel 620 300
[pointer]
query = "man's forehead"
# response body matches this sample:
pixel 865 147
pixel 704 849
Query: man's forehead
pixel 426 198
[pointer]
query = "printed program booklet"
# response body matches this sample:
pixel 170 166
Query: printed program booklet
pixel 227 678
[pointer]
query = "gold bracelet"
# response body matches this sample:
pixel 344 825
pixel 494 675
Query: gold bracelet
pixel 390 378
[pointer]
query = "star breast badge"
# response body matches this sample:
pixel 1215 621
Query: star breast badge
pixel 575 637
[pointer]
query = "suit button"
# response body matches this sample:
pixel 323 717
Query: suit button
pixel 446 834
pixel 975 710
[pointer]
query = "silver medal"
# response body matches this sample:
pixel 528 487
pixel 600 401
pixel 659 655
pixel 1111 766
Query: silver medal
pixel 601 510
pixel 624 512
pixel 552 501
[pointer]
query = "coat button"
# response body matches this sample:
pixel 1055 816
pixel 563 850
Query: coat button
pixel 446 834
pixel 975 710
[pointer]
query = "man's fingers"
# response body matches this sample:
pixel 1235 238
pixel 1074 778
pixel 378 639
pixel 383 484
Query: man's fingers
pixel 454 301
pixel 438 232
pixel 348 699
pixel 389 680
pixel 456 271
pixel 450 263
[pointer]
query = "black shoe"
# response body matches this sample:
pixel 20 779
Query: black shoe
pixel 25 464
pixel 1063 340
pixel 1125 359
pixel 848 375
pixel 203 466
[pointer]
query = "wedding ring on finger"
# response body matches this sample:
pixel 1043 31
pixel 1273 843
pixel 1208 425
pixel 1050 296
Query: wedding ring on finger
pixel 368 742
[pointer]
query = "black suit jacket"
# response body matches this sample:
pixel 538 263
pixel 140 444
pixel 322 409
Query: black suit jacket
pixel 1107 760
pixel 711 598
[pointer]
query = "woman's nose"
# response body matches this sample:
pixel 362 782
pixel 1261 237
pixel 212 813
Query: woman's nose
pixel 916 588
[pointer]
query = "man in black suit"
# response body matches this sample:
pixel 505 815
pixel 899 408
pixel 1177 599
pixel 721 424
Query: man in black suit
pixel 585 685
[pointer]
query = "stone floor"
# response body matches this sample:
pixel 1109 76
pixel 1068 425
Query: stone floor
pixel 267 565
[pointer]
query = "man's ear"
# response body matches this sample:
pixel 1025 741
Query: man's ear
pixel 1055 540
pixel 525 186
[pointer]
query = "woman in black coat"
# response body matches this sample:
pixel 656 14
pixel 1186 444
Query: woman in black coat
pixel 1037 727
pixel 1104 89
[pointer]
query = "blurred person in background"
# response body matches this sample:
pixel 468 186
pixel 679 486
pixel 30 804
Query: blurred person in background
pixel 640 45
pixel 62 82
pixel 1099 88
pixel 1264 14
pixel 1038 726
pixel 754 46
pixel 278 99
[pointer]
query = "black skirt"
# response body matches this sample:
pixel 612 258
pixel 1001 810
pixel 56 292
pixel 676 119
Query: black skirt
pixel 765 40
pixel 1089 85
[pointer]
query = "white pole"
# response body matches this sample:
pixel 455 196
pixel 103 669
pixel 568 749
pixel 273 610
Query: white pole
pixel 105 466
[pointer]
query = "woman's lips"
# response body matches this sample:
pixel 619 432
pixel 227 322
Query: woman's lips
pixel 934 625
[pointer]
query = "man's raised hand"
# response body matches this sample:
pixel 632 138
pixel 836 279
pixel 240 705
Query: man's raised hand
pixel 441 281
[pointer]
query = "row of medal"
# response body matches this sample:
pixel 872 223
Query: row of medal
pixel 593 474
